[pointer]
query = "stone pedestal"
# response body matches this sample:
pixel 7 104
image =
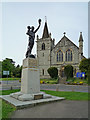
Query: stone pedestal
pixel 30 82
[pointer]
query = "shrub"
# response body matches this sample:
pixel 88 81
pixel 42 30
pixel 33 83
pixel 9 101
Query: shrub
pixel 47 81
pixel 53 72
pixel 68 71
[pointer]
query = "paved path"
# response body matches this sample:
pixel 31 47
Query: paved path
pixel 60 87
pixel 61 109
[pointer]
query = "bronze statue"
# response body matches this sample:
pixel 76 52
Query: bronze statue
pixel 31 32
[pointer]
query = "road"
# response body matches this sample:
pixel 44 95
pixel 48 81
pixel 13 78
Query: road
pixel 55 87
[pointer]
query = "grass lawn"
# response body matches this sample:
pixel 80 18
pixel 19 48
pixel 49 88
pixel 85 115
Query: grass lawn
pixel 7 109
pixel 5 79
pixel 69 95
pixel 0 109
pixel 7 92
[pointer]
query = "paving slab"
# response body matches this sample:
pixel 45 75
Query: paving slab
pixel 60 109
pixel 23 104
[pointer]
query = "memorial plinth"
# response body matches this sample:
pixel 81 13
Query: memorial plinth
pixel 30 82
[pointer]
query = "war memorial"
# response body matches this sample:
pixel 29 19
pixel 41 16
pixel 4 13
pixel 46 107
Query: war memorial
pixel 30 94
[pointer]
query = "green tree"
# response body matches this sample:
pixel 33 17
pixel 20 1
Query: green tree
pixel 68 70
pixel 8 65
pixel 53 72
pixel 17 71
pixel 84 65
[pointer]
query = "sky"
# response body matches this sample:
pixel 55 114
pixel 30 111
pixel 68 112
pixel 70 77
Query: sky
pixel 69 17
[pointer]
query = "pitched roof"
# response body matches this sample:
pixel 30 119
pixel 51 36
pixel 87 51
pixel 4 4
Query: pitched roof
pixel 45 31
pixel 68 40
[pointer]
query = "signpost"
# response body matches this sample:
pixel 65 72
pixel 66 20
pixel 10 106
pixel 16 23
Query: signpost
pixel 6 73
pixel 80 75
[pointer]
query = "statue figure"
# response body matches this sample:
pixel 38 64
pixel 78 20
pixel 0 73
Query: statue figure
pixel 31 32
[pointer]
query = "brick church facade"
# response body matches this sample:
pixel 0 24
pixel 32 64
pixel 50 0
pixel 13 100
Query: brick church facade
pixel 63 53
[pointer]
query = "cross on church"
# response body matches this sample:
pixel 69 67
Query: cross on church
pixel 45 18
pixel 64 33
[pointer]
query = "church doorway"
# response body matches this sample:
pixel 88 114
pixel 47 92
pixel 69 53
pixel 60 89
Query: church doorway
pixel 61 72
pixel 62 77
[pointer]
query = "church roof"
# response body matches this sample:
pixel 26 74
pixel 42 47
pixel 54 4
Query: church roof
pixel 45 31
pixel 68 40
pixel 81 38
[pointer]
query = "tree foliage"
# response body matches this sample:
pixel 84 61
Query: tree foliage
pixel 53 72
pixel 17 71
pixel 68 70
pixel 9 65
pixel 85 65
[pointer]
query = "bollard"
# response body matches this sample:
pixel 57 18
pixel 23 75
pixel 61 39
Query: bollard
pixel 57 88
pixel 11 88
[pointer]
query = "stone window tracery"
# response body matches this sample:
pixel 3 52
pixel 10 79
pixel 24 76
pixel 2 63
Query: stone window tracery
pixel 59 56
pixel 68 55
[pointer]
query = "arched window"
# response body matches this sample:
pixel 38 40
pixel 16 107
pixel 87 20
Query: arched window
pixel 68 55
pixel 59 56
pixel 43 46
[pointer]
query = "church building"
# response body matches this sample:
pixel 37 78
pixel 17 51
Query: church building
pixel 63 53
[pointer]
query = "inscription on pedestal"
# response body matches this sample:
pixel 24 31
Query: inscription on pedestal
pixel 36 97
pixel 32 63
